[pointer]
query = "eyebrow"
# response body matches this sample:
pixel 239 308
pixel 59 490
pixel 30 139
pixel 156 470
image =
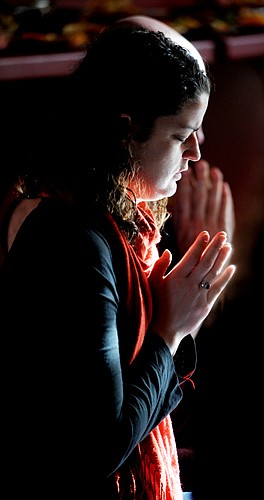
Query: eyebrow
pixel 191 128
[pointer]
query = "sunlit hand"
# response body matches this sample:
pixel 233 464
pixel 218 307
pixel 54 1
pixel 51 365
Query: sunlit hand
pixel 180 302
pixel 203 201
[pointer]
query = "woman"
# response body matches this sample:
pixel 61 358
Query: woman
pixel 107 342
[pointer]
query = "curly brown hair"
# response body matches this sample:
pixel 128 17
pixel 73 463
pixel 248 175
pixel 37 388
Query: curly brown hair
pixel 86 160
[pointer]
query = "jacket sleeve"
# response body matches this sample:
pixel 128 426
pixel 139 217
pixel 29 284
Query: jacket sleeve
pixel 66 395
pixel 129 403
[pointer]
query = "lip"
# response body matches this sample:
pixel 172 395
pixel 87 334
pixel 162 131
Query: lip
pixel 178 177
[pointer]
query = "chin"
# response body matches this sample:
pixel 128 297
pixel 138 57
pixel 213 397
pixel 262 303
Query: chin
pixel 167 193
pixel 172 191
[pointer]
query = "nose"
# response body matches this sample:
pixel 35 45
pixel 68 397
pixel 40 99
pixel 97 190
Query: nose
pixel 192 150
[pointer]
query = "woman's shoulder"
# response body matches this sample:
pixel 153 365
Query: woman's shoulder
pixel 57 234
pixel 56 246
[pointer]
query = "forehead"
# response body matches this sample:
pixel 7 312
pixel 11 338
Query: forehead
pixel 190 117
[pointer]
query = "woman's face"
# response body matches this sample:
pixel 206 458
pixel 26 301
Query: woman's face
pixel 165 155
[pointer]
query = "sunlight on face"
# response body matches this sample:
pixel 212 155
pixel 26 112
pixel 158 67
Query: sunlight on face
pixel 165 155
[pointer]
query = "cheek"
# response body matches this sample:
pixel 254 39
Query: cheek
pixel 166 155
pixel 159 162
pixel 168 160
pixel 160 169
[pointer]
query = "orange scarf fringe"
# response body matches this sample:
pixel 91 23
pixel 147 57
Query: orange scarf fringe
pixel 159 469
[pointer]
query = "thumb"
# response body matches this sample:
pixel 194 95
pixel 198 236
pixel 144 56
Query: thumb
pixel 160 267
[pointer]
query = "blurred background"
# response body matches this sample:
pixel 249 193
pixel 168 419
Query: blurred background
pixel 40 41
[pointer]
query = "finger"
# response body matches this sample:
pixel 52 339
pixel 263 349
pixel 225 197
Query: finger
pixel 193 255
pixel 180 207
pixel 160 268
pixel 215 198
pixel 201 186
pixel 217 288
pixel 184 198
pixel 211 257
pixel 201 171
pixel 227 212
pixel 218 265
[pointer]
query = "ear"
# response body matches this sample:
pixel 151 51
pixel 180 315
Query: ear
pixel 125 118
pixel 125 125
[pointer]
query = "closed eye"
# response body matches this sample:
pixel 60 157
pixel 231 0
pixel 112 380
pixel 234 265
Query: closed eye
pixel 186 138
pixel 180 140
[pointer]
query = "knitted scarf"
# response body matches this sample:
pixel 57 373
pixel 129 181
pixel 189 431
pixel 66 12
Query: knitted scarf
pixel 157 455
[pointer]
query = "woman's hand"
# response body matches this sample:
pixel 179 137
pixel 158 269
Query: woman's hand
pixel 180 303
pixel 203 201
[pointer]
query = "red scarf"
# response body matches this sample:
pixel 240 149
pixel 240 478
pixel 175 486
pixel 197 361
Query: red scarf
pixel 159 468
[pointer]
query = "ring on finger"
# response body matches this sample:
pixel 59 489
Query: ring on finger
pixel 205 284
